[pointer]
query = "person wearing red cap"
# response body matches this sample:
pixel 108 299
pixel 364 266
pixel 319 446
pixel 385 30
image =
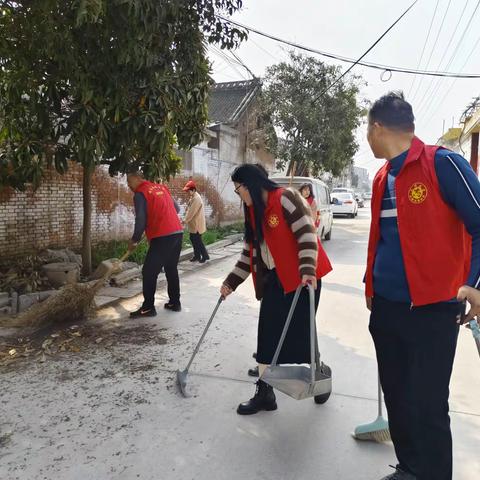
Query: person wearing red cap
pixel 195 222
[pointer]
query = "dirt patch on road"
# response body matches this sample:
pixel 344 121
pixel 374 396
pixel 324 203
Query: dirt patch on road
pixel 45 345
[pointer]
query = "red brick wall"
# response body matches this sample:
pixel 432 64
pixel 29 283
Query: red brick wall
pixel 52 215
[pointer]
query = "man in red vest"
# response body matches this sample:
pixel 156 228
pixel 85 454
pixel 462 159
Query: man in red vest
pixel 424 246
pixel 156 214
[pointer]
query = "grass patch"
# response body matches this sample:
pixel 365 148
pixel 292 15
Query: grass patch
pixel 116 248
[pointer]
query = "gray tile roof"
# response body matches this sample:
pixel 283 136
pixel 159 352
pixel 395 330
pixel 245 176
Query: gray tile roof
pixel 228 100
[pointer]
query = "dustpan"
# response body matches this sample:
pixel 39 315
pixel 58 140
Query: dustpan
pixel 299 381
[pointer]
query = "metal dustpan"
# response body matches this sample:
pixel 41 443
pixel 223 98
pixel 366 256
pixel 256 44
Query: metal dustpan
pixel 298 381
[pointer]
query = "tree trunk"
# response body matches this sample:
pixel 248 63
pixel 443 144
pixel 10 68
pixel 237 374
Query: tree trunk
pixel 87 220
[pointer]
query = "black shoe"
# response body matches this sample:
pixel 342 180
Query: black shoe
pixel 174 307
pixel 264 399
pixel 253 372
pixel 400 474
pixel 254 355
pixel 143 312
pixel 194 259
pixel 203 260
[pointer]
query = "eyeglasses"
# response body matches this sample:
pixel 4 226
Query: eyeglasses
pixel 236 190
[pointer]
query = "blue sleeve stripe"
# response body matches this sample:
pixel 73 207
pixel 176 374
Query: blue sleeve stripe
pixel 477 283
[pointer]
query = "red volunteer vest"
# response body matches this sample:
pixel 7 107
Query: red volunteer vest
pixel 283 245
pixel 162 218
pixel 435 245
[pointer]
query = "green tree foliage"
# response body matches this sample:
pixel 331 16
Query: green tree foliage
pixel 317 132
pixel 114 82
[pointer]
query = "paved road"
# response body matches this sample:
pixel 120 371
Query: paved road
pixel 114 412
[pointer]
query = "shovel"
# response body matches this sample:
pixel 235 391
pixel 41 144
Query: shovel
pixel 182 375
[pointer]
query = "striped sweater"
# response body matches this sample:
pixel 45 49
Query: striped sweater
pixel 298 216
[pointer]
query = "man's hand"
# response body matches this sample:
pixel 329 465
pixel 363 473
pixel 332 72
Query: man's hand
pixel 311 279
pixel 472 295
pixel 368 301
pixel 132 245
pixel 225 290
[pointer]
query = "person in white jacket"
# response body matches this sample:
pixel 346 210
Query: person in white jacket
pixel 195 222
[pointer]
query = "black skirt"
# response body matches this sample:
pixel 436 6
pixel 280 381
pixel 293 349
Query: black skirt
pixel 273 314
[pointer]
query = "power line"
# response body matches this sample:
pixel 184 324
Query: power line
pixel 242 63
pixel 424 47
pixel 263 49
pixel 229 60
pixel 341 58
pixel 424 101
pixel 453 82
pixel 369 49
pixel 452 57
pixel 433 47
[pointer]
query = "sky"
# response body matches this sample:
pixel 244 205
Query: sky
pixel 348 28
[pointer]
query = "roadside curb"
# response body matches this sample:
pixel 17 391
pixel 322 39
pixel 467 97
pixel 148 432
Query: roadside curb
pixel 103 301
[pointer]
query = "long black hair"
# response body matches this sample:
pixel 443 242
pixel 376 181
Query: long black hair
pixel 255 179
pixel 310 189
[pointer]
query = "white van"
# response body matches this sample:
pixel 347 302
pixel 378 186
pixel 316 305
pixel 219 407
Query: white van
pixel 322 198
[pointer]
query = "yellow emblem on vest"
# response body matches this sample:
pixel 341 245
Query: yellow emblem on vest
pixel 273 221
pixel 417 193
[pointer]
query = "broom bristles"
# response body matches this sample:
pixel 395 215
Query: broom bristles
pixel 73 302
pixel 374 436
pixel 376 431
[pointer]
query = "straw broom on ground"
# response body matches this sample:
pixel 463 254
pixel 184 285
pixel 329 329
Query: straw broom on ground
pixel 71 303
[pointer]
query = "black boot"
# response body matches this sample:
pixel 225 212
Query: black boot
pixel 264 399
pixel 253 372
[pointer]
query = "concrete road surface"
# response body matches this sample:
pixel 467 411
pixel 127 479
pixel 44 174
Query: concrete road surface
pixel 112 411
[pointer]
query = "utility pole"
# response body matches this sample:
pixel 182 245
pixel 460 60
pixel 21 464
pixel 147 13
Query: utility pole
pixel 474 152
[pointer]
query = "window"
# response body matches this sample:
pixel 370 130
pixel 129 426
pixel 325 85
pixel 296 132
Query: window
pixel 322 196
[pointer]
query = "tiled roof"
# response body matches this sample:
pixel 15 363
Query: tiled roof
pixel 228 100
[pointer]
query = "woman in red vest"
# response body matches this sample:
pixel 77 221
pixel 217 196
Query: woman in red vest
pixel 307 194
pixel 281 251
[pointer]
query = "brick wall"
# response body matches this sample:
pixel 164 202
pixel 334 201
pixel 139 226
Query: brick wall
pixel 52 215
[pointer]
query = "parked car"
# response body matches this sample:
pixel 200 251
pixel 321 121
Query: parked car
pixel 344 203
pixel 342 190
pixel 322 199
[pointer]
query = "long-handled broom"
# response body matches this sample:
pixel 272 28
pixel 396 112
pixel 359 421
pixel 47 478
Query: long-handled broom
pixel 376 431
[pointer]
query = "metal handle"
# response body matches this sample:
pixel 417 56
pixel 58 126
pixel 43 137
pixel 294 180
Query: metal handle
pixel 313 334
pixel 220 300
pixel 313 338
pixel 379 396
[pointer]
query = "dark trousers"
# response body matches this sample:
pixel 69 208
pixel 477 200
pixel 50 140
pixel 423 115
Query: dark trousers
pixel 415 351
pixel 273 315
pixel 163 252
pixel 199 250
